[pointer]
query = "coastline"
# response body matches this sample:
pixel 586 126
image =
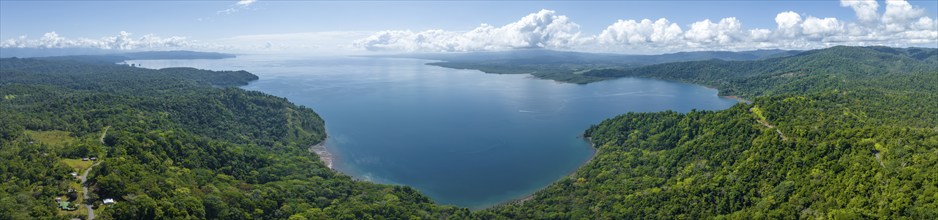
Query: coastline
pixel 324 155
pixel 737 98
pixel 525 198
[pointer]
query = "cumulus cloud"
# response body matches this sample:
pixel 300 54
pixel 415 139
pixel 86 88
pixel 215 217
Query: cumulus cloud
pixel 865 9
pixel 900 25
pixel 631 32
pixel 544 29
pixel 706 32
pixel 789 24
pixel 760 35
pixel 820 27
pixel 899 14
pixel 122 41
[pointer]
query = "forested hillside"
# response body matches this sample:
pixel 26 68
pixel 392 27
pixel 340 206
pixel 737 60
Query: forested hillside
pixel 837 133
pixel 808 72
pixel 176 143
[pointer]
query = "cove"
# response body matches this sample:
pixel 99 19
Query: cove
pixel 461 137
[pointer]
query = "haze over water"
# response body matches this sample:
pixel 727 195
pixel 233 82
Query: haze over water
pixel 462 137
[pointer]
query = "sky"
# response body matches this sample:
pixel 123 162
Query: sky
pixel 358 27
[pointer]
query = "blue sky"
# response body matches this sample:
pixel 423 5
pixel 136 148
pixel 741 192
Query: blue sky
pixel 325 26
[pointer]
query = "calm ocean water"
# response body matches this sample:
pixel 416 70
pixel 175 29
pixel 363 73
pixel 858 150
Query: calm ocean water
pixel 461 137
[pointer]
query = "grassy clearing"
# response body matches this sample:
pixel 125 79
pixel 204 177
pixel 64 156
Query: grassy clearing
pixel 77 164
pixel 54 137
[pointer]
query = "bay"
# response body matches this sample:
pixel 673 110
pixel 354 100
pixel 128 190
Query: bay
pixel 461 137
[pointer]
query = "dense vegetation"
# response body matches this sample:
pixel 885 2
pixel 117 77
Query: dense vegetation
pixel 836 133
pixel 809 72
pixel 841 133
pixel 176 143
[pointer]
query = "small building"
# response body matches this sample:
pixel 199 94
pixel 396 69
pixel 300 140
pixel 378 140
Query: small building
pixel 74 174
pixel 108 201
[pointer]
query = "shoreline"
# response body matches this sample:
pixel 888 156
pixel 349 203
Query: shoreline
pixel 737 98
pixel 734 97
pixel 324 155
pixel 522 199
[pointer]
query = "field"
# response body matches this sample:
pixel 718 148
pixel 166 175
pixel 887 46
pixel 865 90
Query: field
pixel 53 137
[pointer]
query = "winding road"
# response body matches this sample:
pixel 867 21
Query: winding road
pixel 84 190
pixel 84 177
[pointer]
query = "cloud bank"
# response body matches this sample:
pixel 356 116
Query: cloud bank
pixel 544 29
pixel 894 23
pixel 901 25
pixel 122 41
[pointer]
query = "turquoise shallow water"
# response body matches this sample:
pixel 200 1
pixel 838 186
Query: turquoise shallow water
pixel 461 137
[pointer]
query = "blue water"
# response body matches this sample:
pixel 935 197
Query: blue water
pixel 461 137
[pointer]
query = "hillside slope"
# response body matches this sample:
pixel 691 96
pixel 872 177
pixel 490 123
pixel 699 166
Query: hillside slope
pixel 808 72
pixel 179 144
pixel 853 135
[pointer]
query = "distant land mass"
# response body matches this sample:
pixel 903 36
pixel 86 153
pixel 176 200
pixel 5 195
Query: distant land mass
pixel 566 66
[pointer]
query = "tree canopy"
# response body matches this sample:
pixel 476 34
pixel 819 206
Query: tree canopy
pixel 836 133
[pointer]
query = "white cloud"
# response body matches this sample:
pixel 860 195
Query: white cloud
pixel 865 9
pixel 706 32
pixel 820 27
pixel 788 24
pixel 760 35
pixel 899 14
pixel 631 32
pixel 544 29
pixel 123 41
pixel 901 25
